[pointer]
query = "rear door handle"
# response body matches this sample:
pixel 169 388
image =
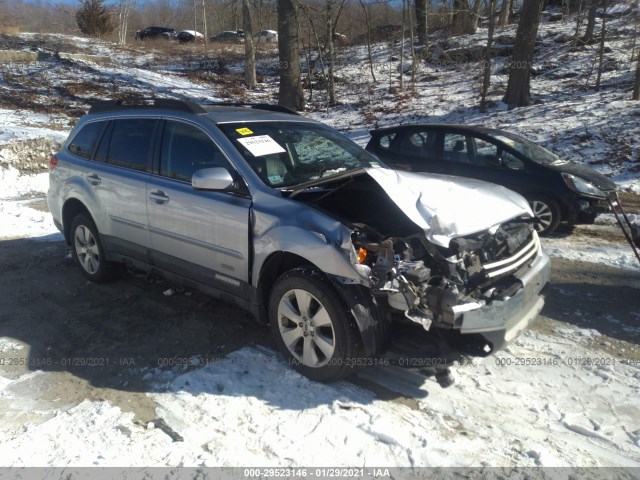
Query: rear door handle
pixel 158 196
pixel 94 179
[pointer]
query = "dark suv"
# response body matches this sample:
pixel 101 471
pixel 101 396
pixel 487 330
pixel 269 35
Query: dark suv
pixel 292 221
pixel 164 33
pixel 556 189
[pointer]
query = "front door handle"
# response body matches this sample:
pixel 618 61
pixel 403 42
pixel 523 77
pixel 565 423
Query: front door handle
pixel 94 179
pixel 158 196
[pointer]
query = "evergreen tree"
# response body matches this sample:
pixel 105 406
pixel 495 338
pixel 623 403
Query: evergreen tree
pixel 93 18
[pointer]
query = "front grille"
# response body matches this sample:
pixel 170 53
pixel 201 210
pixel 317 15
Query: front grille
pixel 513 262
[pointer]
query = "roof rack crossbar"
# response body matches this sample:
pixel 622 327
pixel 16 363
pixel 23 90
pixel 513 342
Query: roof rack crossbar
pixel 146 103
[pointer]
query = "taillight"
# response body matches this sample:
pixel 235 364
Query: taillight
pixel 53 162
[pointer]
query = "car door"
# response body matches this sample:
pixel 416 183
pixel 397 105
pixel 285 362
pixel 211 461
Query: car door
pixel 118 179
pixel 202 235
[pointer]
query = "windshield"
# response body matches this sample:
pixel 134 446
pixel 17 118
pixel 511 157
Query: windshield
pixel 287 154
pixel 527 148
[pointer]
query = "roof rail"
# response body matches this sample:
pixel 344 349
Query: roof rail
pixel 146 103
pixel 257 106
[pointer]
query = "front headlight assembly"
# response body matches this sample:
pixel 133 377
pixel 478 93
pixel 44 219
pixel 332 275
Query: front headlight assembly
pixel 580 185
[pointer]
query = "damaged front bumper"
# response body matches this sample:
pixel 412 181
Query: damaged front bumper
pixel 494 325
pixel 484 322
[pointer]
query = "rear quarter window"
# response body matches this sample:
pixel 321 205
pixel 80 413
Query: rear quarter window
pixel 86 140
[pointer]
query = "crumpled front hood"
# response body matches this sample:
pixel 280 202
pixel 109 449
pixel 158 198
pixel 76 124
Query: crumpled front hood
pixel 446 207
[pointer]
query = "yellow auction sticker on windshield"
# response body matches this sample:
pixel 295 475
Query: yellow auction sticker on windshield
pixel 244 131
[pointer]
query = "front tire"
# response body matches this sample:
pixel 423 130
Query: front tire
pixel 88 252
pixel 548 211
pixel 312 326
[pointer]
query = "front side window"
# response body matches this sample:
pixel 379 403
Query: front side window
pixel 486 153
pixel 455 148
pixel 130 142
pixel 527 148
pixel 86 140
pixel 511 161
pixel 287 154
pixel 185 149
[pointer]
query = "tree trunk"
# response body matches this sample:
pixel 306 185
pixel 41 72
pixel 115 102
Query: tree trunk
pixel 579 19
pixel 591 22
pixel 636 82
pixel 290 92
pixel 249 51
pixel 421 21
pixel 518 89
pixel 370 57
pixel 486 79
pixel 461 23
pixel 475 16
pixel 601 49
pixel 330 53
pixel 505 9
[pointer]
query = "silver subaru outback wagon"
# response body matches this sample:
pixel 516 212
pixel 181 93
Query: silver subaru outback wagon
pixel 292 221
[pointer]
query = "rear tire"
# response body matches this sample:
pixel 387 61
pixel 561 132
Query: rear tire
pixel 88 252
pixel 312 326
pixel 548 211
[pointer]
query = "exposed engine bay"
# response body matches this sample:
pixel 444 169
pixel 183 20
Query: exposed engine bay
pixel 432 284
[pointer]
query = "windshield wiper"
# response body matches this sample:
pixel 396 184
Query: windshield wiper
pixel 347 175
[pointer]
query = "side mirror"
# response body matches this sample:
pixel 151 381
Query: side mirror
pixel 216 178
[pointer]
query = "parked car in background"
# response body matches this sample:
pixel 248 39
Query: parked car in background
pixel 164 33
pixel 557 190
pixel 190 36
pixel 289 219
pixel 266 36
pixel 340 39
pixel 228 37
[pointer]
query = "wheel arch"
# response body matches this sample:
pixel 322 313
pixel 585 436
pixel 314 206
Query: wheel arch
pixel 71 209
pixel 370 314
pixel 275 265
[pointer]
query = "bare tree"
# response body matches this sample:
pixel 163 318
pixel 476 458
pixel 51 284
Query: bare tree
pixel 505 10
pixel 290 91
pixel 330 51
pixel 636 83
pixel 486 77
pixel 249 51
pixel 591 22
pixel 461 23
pixel 422 22
pixel 368 22
pixel 518 89
pixel 475 15
pixel 603 33
pixel 124 11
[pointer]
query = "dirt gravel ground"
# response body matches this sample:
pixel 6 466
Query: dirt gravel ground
pixel 100 339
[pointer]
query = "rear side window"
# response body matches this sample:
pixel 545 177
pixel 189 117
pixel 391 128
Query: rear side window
pixel 85 141
pixel 455 148
pixel 130 142
pixel 416 143
pixel 386 140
